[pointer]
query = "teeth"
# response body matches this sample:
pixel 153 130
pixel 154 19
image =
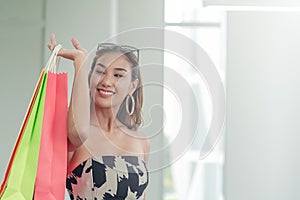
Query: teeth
pixel 105 92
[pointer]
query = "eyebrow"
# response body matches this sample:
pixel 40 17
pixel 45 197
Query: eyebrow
pixel 117 68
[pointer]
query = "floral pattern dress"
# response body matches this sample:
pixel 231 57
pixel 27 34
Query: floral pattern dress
pixel 108 178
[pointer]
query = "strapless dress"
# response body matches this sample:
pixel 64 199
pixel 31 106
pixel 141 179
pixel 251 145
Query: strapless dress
pixel 108 178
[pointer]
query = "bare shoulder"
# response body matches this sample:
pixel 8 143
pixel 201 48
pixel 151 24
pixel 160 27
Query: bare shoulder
pixel 145 143
pixel 141 134
pixel 144 138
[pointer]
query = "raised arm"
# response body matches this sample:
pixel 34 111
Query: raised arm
pixel 79 109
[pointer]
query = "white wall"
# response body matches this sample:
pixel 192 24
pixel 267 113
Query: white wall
pixel 21 59
pixel 263 110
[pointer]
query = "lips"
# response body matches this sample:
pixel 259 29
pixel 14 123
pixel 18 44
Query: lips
pixel 105 93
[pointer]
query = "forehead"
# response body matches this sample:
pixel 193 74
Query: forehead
pixel 114 60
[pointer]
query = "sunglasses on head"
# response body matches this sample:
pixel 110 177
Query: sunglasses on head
pixel 127 48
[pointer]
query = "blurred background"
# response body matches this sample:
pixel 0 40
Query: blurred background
pixel 255 46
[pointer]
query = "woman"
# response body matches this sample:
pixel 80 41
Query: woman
pixel 107 154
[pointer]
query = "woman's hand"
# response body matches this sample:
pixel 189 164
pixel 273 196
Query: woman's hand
pixel 78 55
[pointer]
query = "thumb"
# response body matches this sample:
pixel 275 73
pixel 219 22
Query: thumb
pixel 67 53
pixel 77 45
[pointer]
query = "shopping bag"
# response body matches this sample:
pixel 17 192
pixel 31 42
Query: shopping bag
pixel 21 179
pixel 38 163
pixel 30 107
pixel 52 163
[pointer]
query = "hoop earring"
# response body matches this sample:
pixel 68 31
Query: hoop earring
pixel 127 105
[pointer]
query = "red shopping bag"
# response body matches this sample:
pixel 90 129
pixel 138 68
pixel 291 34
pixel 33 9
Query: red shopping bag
pixel 52 162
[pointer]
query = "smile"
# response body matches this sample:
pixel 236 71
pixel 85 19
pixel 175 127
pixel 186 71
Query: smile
pixel 105 93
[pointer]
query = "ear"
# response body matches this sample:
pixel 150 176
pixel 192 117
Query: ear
pixel 133 86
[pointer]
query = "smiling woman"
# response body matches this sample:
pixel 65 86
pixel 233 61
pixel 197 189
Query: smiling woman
pixel 118 64
pixel 108 155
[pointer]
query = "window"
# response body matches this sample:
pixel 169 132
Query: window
pixel 190 178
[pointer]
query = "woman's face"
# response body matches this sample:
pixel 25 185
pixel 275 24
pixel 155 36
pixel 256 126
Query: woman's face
pixel 111 80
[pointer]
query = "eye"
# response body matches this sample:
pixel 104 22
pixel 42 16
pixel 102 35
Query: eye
pixel 100 72
pixel 118 75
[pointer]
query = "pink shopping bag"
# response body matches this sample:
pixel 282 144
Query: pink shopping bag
pixel 52 162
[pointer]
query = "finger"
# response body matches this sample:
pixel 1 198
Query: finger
pixel 51 47
pixel 76 44
pixel 53 40
pixel 67 53
pixel 52 44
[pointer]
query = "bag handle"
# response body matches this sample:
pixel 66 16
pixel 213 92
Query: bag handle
pixel 53 62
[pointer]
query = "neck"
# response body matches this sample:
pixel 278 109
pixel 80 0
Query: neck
pixel 105 118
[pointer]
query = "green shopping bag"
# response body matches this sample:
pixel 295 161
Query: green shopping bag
pixel 4 182
pixel 20 184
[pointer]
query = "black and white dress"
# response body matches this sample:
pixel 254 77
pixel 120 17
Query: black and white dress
pixel 108 178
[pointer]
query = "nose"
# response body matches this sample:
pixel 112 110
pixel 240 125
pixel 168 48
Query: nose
pixel 105 80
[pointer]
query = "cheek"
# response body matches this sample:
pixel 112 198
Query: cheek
pixel 123 85
pixel 93 85
pixel 94 80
